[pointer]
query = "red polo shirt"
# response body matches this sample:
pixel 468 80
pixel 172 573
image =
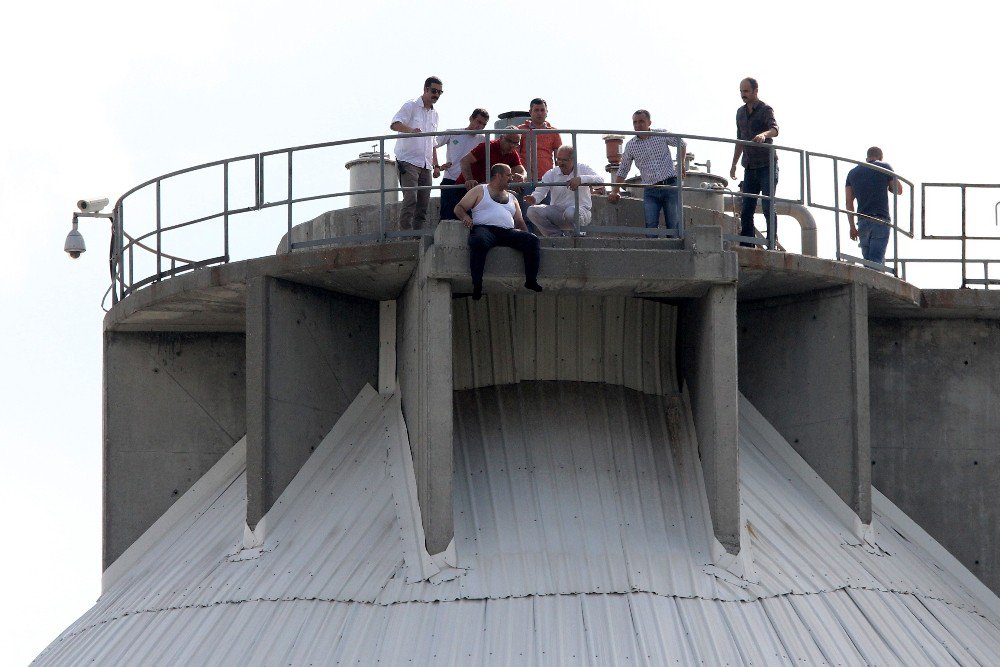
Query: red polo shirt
pixel 511 159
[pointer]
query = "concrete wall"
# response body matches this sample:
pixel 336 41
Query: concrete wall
pixel 173 405
pixel 309 353
pixel 936 431
pixel 423 362
pixel 706 350
pixel 803 362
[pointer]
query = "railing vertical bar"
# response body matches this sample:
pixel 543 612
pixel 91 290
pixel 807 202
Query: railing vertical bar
pixel 288 238
pixel 802 176
pixel 225 216
pixel 772 227
pixel 576 172
pixel 120 246
pixel 258 180
pixel 809 195
pixel 680 188
pixel 895 228
pixel 381 189
pixel 836 206
pixel 159 249
pixel 965 275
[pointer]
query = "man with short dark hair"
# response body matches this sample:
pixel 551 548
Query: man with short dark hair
pixel 754 122
pixel 416 156
pixel 871 187
pixel 538 151
pixel 459 145
pixel 502 150
pixel 651 154
pixel 493 217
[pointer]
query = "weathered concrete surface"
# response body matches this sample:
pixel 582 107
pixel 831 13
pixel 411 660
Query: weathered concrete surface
pixel 803 363
pixel 936 429
pixel 587 265
pixel 424 365
pixel 707 359
pixel 214 299
pixel 173 405
pixel 309 353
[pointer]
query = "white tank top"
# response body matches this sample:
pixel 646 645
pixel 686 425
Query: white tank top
pixel 489 212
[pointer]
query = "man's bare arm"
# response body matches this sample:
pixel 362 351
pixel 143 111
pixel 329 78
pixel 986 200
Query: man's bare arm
pixel 466 165
pixel 468 203
pixel 400 126
pixel 737 152
pixel 518 218
pixel 849 204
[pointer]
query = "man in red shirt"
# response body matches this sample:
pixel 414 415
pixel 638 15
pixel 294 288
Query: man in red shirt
pixel 538 151
pixel 502 151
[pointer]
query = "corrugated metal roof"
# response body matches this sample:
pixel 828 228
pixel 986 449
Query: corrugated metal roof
pixel 582 525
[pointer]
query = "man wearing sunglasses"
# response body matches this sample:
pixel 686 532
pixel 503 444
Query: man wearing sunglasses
pixel 417 156
pixel 502 151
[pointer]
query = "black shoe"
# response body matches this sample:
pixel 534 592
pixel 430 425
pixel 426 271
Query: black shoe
pixel 477 292
pixel 533 286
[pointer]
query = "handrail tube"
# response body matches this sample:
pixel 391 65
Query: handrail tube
pixel 781 205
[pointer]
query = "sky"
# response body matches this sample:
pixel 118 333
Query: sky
pixel 102 96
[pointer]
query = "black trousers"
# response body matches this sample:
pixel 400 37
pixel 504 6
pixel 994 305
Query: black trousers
pixel 483 238
pixel 449 198
pixel 756 181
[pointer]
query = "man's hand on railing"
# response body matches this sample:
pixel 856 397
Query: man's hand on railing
pixel 471 183
pixel 614 197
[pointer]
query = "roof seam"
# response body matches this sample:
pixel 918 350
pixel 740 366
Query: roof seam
pixel 755 599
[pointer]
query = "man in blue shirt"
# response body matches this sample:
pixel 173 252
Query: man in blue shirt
pixel 871 187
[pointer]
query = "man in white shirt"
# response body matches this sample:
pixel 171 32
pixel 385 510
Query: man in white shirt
pixel 559 182
pixel 416 156
pixel 459 146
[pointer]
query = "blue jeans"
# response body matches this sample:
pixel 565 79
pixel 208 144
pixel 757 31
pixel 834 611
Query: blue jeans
pixel 873 238
pixel 668 199
pixel 755 181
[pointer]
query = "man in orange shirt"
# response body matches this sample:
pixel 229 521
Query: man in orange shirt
pixel 537 150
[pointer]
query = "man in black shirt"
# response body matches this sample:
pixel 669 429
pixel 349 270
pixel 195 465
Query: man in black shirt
pixel 871 188
pixel 754 122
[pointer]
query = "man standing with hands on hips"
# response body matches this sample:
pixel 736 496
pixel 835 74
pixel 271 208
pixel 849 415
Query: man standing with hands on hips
pixel 416 156
pixel 754 122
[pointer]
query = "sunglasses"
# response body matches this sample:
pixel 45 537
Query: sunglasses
pixel 437 91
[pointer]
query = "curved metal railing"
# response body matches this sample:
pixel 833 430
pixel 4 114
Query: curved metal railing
pixel 139 255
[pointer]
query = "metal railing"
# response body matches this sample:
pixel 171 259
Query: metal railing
pixel 127 245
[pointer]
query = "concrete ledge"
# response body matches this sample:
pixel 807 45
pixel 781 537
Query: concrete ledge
pixel 214 299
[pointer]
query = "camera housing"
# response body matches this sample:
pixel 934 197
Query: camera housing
pixel 92 205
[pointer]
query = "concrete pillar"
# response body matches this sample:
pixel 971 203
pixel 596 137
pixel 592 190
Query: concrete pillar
pixel 803 362
pixel 309 353
pixel 707 360
pixel 174 403
pixel 424 364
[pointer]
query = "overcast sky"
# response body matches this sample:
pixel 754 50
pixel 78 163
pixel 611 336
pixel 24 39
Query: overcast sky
pixel 101 96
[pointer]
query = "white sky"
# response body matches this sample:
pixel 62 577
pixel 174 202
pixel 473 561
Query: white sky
pixel 101 96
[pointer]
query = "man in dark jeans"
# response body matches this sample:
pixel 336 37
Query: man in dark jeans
pixel 492 215
pixel 754 122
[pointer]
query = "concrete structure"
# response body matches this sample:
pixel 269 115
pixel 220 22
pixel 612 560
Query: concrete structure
pixel 645 343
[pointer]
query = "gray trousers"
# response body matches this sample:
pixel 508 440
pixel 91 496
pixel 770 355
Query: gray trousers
pixel 414 211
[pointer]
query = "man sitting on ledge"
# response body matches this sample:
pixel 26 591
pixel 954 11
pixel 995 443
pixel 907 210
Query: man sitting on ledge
pixel 494 216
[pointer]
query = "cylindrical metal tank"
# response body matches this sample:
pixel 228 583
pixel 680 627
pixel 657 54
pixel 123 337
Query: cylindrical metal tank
pixel 711 187
pixel 366 175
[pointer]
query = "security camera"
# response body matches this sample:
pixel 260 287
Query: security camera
pixel 92 205
pixel 74 242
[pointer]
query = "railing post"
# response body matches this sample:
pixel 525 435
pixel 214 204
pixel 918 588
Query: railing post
pixel 836 206
pixel 895 228
pixel 964 240
pixel 159 269
pixel 225 212
pixel 381 190
pixel 576 203
pixel 288 237
pixel 258 180
pixel 772 227
pixel 680 188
